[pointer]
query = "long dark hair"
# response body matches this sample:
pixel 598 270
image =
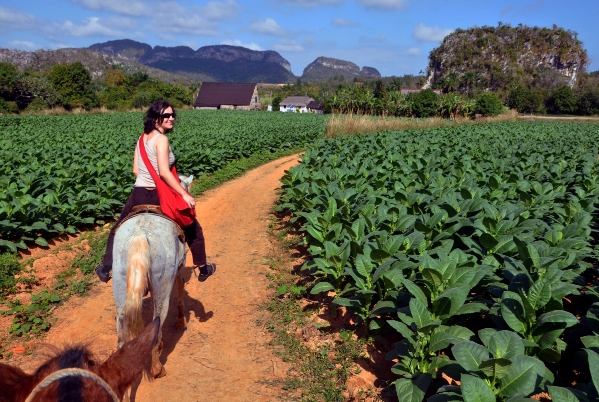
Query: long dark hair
pixel 154 113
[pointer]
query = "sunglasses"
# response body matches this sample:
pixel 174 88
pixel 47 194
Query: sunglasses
pixel 166 116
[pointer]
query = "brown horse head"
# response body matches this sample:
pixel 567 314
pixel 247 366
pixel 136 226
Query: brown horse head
pixel 119 371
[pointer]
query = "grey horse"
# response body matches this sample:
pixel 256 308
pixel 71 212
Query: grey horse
pixel 148 256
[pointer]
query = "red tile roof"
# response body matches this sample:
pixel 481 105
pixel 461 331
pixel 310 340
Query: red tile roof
pixel 214 94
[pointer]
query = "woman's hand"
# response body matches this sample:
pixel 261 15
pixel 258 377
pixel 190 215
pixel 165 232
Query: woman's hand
pixel 189 200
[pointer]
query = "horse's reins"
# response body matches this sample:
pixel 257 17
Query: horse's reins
pixel 70 372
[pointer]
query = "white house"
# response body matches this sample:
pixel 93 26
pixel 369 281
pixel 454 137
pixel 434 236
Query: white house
pixel 295 103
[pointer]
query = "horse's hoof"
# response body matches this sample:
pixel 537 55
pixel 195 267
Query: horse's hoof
pixel 161 374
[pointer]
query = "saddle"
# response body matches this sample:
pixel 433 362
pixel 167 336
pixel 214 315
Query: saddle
pixel 152 209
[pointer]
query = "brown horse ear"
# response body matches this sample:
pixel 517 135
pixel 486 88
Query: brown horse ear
pixel 127 363
pixel 15 385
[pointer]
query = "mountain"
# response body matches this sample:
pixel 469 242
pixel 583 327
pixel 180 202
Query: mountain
pixel 210 63
pixel 495 58
pixel 324 68
pixel 97 63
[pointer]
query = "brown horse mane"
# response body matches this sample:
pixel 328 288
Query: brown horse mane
pixel 118 371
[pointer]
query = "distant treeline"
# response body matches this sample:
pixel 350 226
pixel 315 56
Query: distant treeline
pixel 384 97
pixel 71 86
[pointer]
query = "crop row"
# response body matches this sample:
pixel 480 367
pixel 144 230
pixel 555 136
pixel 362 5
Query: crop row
pixel 476 244
pixel 58 172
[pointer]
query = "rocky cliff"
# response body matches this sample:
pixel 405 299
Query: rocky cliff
pixel 220 62
pixel 324 68
pixel 492 58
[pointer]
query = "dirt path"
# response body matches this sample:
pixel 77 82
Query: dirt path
pixel 222 355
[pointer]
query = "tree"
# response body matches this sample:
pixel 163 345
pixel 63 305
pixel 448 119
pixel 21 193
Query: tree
pixel 9 76
pixel 276 101
pixel 425 103
pixel 562 101
pixel 488 104
pixel 73 83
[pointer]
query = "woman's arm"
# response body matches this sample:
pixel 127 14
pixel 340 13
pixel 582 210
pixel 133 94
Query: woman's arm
pixel 165 173
pixel 135 164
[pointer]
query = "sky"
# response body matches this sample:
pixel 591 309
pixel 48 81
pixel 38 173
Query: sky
pixel 393 36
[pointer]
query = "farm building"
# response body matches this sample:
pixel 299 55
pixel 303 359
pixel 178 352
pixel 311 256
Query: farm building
pixel 228 95
pixel 316 107
pixel 295 103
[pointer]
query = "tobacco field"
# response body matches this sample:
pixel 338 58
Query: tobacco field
pixel 61 172
pixel 475 247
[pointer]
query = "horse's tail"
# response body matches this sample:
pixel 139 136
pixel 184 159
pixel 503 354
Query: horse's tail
pixel 138 267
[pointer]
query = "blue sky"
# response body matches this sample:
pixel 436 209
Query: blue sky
pixel 393 36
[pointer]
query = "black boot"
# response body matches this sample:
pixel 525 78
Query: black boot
pixel 103 272
pixel 206 271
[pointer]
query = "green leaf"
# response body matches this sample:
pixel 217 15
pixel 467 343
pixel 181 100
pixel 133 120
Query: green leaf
pixel 593 367
pixel 469 355
pixel 441 340
pixel 415 291
pixel 488 241
pixel 495 368
pixel 419 313
pixel 539 294
pixel 321 287
pixel 41 242
pixel 402 329
pixel 512 311
pixel 505 344
pixel 522 377
pixel 413 390
pixel 559 394
pixel 475 389
pixel 557 316
pixel 449 302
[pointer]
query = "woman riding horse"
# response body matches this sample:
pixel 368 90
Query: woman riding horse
pixel 158 120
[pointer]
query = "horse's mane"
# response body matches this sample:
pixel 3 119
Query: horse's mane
pixel 118 371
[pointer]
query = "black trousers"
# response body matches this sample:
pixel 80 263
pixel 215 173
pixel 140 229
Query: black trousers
pixel 194 235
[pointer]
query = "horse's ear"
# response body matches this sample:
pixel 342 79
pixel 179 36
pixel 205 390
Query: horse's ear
pixel 127 363
pixel 188 180
pixel 15 385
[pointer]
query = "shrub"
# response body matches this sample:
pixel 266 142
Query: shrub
pixel 588 104
pixel 425 103
pixel 562 101
pixel 488 104
pixel 36 105
pixel 8 107
pixel 9 267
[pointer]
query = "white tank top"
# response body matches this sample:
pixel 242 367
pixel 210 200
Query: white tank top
pixel 144 179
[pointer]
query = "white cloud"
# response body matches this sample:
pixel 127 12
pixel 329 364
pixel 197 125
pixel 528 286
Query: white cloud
pixel 413 51
pixel 370 39
pixel 218 11
pixel 384 4
pixel 288 46
pixel 15 19
pixel 311 3
pixel 430 34
pixel 92 26
pixel 23 45
pixel 188 24
pixel 343 23
pixel 130 7
pixel 268 27
pixel 237 42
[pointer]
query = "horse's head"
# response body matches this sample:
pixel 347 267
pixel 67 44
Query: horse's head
pixel 118 372
pixel 185 181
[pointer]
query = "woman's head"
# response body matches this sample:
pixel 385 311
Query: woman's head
pixel 160 115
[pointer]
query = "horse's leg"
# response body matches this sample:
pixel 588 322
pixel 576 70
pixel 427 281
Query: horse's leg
pixel 181 321
pixel 157 369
